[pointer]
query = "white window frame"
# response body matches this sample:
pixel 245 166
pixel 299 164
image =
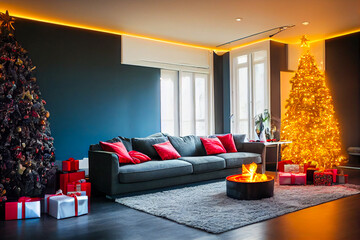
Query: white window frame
pixel 209 116
pixel 248 50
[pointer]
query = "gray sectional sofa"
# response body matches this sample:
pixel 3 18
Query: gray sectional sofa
pixel 113 179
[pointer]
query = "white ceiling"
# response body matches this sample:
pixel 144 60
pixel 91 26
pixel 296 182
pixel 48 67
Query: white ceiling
pixel 201 22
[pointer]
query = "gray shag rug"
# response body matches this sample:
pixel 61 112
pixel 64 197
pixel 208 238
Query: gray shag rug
pixel 208 208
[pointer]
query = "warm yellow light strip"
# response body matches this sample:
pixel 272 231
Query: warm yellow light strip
pixel 161 40
pixel 111 31
pixel 337 35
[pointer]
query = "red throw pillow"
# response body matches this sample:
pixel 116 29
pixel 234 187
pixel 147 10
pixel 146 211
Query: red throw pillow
pixel 139 157
pixel 228 142
pixel 119 149
pixel 166 151
pixel 213 146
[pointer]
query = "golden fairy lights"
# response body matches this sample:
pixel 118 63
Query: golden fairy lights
pixel 310 121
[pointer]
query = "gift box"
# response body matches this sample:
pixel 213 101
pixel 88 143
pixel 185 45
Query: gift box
pixel 292 178
pixel 284 178
pixel 46 199
pixel 65 206
pixel 282 163
pixel 79 186
pixel 323 178
pixel 293 168
pixel 25 207
pixel 342 178
pixel 310 174
pixel 65 178
pixel 333 172
pixel 70 165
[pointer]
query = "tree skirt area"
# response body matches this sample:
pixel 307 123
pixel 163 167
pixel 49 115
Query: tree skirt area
pixel 208 208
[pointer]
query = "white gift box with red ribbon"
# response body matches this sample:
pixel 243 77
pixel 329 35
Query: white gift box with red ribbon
pixel 65 206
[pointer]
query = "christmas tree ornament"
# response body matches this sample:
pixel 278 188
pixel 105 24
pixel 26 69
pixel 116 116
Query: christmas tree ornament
pixel 310 122
pixel 26 146
pixel 47 114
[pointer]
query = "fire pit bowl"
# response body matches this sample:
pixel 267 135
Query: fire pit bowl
pixel 238 187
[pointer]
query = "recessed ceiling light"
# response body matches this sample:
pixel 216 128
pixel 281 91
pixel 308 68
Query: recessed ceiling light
pixel 238 19
pixel 306 23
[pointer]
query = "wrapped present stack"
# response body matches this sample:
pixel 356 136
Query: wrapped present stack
pixel 291 174
pixel 72 179
pixel 71 200
pixel 310 173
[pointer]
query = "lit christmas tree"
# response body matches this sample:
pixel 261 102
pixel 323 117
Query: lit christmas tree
pixel 26 145
pixel 310 121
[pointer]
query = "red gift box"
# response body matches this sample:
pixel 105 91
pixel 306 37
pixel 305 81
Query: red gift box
pixel 292 178
pixel 323 178
pixel 77 187
pixel 70 165
pixel 333 172
pixel 282 163
pixel 66 178
pixel 25 207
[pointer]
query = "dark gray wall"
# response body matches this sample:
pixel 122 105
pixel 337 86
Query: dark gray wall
pixel 278 62
pixel 342 70
pixel 90 95
pixel 222 92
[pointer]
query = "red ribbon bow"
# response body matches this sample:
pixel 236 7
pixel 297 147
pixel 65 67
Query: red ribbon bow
pixel 75 195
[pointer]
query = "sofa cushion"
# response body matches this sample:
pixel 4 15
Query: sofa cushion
pixel 152 170
pixel 239 140
pixel 234 160
pixel 145 145
pixel 125 141
pixel 166 151
pixel 188 146
pixel 213 146
pixel 228 142
pixel 205 163
pixel 139 157
pixel 119 149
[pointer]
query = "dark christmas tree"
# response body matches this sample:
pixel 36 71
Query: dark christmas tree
pixel 26 146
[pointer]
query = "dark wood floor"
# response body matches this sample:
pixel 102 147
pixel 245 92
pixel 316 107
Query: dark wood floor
pixel 338 219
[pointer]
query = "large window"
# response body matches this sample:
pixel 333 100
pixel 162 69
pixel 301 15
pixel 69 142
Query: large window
pixel 184 103
pixel 250 89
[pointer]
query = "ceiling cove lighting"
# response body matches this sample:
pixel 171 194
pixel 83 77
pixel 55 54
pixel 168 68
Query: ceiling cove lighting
pixel 63 23
pixel 98 29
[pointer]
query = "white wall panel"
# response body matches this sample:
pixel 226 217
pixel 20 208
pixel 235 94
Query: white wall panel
pixel 149 53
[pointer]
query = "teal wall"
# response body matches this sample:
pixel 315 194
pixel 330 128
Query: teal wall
pixel 89 94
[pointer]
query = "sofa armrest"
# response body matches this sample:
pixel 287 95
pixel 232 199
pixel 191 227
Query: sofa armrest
pixel 255 147
pixel 103 170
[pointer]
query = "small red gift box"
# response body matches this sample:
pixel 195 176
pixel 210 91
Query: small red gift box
pixel 70 165
pixel 282 163
pixel 78 187
pixel 66 178
pixel 333 172
pixel 25 207
pixel 292 178
pixel 323 178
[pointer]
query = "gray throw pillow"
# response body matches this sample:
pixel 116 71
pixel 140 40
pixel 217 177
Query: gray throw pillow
pixel 188 145
pixel 145 145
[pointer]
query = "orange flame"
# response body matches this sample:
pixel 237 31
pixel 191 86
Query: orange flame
pixel 249 174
